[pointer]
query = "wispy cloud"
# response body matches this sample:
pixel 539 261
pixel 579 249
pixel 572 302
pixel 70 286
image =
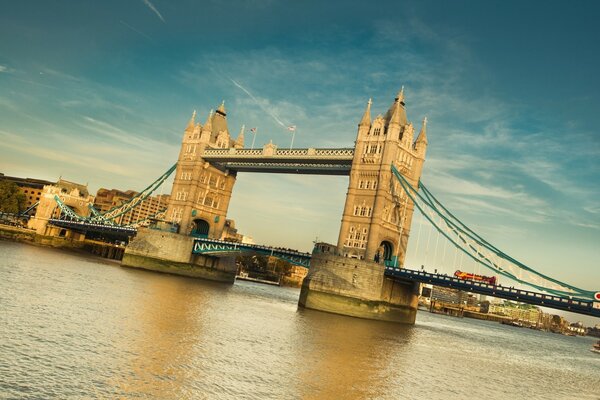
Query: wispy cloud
pixel 154 10
pixel 259 103
pixel 135 30
pixel 3 68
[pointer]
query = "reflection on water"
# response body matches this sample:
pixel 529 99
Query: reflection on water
pixel 74 327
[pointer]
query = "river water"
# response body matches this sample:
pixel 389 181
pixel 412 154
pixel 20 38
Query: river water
pixel 75 327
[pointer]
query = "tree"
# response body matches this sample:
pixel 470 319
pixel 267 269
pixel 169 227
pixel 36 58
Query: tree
pixel 12 200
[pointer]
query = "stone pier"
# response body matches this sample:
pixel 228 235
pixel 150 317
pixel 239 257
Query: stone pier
pixel 357 288
pixel 168 252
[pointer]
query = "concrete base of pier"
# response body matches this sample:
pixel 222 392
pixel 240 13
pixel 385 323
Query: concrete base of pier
pixel 357 288
pixel 171 253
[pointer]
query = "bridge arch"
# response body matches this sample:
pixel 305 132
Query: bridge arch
pixel 385 253
pixel 200 228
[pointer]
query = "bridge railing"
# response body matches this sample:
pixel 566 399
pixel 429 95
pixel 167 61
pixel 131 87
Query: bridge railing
pixel 233 153
pixel 499 289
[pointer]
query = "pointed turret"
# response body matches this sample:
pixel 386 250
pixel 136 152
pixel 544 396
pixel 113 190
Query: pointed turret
pixel 219 122
pixel 400 96
pixel 208 123
pixel 397 104
pixel 422 138
pixel 190 125
pixel 221 109
pixel 366 119
pixel 421 142
pixel 207 129
pixel 396 114
pixel 239 142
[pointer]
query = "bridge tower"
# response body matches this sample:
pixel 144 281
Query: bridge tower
pixel 200 194
pixel 349 278
pixel 377 214
pixel 197 208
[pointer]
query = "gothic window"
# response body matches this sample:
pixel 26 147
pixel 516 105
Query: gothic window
pixel 360 184
pixel 212 181
pixel 375 184
pixel 367 184
pixel 377 131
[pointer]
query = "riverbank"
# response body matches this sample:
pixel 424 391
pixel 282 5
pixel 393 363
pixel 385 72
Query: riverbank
pixel 93 247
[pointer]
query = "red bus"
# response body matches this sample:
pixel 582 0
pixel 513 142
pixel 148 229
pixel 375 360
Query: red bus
pixel 491 280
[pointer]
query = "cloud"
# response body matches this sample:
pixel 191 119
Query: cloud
pixel 135 30
pixel 151 7
pixel 3 68
pixel 259 103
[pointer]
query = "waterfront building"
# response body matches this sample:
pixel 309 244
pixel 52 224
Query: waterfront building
pixel 525 313
pixel 73 195
pixel 32 188
pixel 107 199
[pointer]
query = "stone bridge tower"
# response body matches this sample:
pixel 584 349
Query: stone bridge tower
pixel 200 194
pixel 197 207
pixel 349 278
pixel 377 214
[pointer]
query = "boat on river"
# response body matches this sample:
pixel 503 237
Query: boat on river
pixel 596 347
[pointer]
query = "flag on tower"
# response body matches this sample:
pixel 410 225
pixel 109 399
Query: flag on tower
pixel 253 130
pixel 292 128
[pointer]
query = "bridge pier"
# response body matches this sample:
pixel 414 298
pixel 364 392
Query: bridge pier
pixel 171 253
pixel 357 288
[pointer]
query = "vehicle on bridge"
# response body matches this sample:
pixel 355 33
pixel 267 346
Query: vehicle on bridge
pixel 490 280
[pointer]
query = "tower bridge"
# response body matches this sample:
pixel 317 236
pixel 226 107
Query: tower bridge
pixel 363 273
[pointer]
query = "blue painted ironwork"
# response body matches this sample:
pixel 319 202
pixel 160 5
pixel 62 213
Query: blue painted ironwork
pixel 476 248
pixel 67 212
pixel 124 208
pixel 565 303
pixel 215 247
pixel 31 207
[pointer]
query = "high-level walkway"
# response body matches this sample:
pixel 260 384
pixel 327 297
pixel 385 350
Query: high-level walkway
pixel 286 161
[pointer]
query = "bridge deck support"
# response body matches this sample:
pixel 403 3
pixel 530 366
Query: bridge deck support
pixel 357 288
pixel 171 253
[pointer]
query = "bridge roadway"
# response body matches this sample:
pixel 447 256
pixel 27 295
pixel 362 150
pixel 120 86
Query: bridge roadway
pixel 587 307
pixel 84 226
pixel 283 161
pixel 215 247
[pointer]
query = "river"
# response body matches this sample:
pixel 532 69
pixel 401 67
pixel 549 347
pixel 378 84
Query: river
pixel 73 327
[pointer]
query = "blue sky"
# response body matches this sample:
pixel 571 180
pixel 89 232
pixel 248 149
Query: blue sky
pixel 100 92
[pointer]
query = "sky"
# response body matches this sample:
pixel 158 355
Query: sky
pixel 100 92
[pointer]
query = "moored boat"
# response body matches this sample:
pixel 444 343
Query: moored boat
pixel 596 347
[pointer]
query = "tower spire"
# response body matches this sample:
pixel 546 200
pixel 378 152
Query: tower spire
pixel 239 142
pixel 208 124
pixel 221 109
pixel 400 96
pixel 422 138
pixel 366 119
pixel 190 125
pixel 396 115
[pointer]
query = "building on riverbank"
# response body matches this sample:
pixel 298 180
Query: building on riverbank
pixel 107 199
pixel 32 188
